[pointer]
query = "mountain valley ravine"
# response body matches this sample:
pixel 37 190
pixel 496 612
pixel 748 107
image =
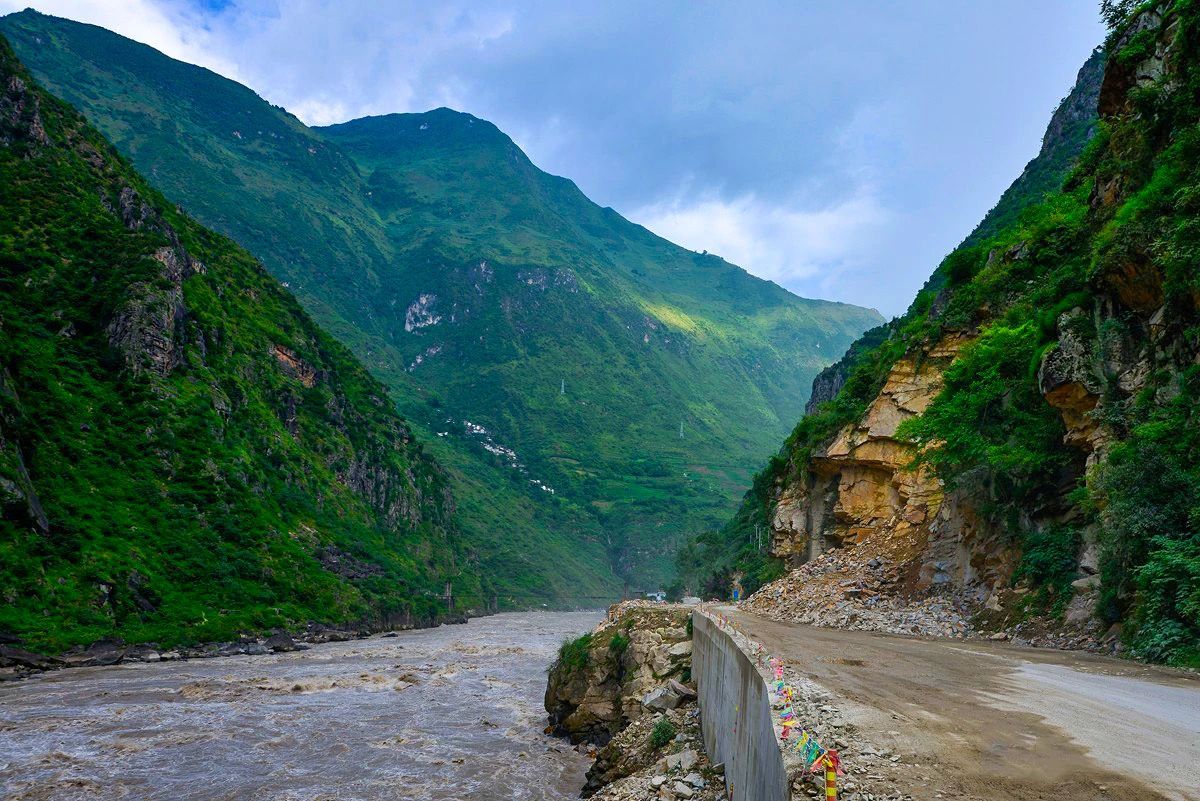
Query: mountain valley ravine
pixel 346 454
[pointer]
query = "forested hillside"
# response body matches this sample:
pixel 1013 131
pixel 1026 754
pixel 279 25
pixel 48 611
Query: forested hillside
pixel 184 454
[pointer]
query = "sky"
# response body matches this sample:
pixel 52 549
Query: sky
pixel 837 147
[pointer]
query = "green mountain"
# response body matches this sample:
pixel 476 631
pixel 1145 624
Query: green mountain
pixel 1049 468
pixel 184 454
pixel 596 392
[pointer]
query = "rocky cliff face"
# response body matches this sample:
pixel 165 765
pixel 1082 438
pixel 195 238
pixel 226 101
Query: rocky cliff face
pixel 598 685
pixel 1004 458
pixel 864 520
pixel 626 687
pixel 862 488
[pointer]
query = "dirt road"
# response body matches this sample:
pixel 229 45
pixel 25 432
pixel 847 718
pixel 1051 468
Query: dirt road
pixel 990 721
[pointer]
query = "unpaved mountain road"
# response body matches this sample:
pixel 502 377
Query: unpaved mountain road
pixel 988 720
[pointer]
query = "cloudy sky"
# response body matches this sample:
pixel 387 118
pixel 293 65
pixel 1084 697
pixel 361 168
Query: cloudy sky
pixel 837 147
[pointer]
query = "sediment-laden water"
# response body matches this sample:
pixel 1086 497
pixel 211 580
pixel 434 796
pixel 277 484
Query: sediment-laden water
pixel 447 713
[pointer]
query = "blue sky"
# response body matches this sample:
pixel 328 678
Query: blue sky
pixel 837 148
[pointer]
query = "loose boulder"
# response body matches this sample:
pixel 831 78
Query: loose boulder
pixel 280 643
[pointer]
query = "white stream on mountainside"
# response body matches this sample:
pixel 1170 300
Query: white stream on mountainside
pixel 453 712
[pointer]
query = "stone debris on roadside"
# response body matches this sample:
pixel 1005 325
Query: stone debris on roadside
pixel 872 771
pixel 845 589
pixel 862 589
pixel 629 768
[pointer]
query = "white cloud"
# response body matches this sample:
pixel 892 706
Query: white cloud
pixel 793 246
pixel 315 111
pixel 333 60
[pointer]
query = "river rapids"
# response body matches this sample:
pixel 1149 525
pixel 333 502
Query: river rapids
pixel 448 713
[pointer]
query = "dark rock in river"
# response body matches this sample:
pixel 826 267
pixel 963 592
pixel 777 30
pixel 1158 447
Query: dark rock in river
pixel 280 643
pixel 18 657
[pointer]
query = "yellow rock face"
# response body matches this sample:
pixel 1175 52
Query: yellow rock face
pixel 862 490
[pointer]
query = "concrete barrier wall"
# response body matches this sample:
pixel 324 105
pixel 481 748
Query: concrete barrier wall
pixel 735 715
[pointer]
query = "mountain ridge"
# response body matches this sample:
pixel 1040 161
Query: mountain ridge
pixel 477 288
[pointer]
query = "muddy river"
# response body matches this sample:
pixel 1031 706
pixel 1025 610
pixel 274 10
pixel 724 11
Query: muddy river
pixel 447 713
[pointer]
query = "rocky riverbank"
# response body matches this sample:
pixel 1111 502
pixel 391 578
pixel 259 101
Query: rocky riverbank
pixel 17 663
pixel 626 686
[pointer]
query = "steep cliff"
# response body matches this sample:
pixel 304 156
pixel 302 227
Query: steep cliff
pixel 1024 439
pixel 184 454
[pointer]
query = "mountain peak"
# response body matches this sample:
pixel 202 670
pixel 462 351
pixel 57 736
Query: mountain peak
pixel 438 129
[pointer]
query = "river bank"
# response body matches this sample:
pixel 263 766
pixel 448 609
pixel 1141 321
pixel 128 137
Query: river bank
pixel 17 663
pixel 431 715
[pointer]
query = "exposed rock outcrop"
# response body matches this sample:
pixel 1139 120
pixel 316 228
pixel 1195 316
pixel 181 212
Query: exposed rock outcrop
pixel 21 115
pixel 149 329
pixel 625 685
pixel 633 767
pixel 599 691
pixel 294 366
pixel 19 499
pixel 861 488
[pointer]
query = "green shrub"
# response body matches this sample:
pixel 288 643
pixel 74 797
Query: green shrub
pixel 1149 496
pixel 618 645
pixel 663 733
pixel 575 654
pixel 991 422
pixel 1049 562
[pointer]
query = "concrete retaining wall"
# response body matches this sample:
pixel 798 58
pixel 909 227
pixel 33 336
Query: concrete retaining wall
pixel 736 715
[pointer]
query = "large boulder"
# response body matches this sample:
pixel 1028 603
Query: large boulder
pixel 103 652
pixel 11 656
pixel 280 643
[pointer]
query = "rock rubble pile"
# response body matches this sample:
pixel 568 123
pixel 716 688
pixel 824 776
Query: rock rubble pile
pixel 847 589
pixel 631 768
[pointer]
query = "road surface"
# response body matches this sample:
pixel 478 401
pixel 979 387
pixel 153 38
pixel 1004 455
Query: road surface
pixel 988 720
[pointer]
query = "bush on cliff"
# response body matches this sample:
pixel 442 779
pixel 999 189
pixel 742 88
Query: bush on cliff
pixel 574 654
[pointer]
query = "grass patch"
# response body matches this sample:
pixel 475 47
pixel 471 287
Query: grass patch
pixel 575 654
